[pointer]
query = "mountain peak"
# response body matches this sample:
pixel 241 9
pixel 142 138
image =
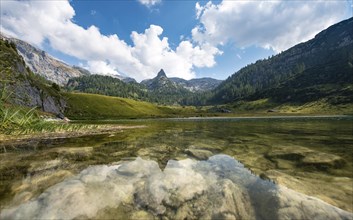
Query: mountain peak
pixel 161 73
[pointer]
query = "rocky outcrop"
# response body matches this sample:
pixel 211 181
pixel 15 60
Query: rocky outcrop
pixel 25 94
pixel 45 65
pixel 25 88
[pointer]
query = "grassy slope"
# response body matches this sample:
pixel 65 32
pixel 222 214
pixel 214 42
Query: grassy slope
pixel 84 106
pixel 318 107
pixel 92 106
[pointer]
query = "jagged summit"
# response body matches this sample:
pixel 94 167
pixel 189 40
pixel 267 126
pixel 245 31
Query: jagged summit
pixel 161 73
pixel 193 85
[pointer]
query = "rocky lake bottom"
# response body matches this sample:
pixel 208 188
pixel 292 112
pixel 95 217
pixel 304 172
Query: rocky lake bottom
pixel 222 168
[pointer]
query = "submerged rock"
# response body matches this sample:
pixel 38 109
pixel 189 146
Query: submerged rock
pixel 76 153
pixel 199 154
pixel 323 161
pixel 294 153
pixel 302 156
pixel 219 187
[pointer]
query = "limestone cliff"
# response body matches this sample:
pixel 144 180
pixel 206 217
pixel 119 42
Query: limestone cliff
pixel 23 87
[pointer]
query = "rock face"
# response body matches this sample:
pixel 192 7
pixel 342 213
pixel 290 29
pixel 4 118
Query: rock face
pixel 218 188
pixel 24 87
pixel 44 65
pixel 25 94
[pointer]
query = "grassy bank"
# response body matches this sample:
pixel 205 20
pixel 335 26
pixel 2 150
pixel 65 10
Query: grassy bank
pixel 91 106
pixel 18 120
pixel 319 107
pixel 83 106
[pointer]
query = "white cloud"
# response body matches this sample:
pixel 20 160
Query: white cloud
pixel 102 67
pixel 93 12
pixel 270 24
pixel 150 3
pixel 155 53
pixel 36 21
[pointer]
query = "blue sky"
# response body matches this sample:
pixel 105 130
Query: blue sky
pixel 187 38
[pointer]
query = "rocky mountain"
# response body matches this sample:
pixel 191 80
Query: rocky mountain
pixel 163 90
pixel 312 70
pixel 45 65
pixel 49 67
pixel 23 87
pixel 160 82
pixel 194 85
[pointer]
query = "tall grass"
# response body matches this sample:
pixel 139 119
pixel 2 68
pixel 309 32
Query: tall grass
pixel 19 120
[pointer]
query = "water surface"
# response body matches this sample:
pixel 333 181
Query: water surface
pixel 309 155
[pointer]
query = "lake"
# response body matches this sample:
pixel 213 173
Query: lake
pixel 174 167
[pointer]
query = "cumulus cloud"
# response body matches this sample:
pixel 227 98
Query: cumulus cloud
pixel 102 67
pixel 36 21
pixel 150 3
pixel 149 47
pixel 275 25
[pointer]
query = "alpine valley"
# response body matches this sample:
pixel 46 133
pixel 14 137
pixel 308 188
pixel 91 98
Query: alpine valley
pixel 311 77
pixel 272 141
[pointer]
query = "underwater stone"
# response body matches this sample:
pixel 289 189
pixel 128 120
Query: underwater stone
pixel 219 187
pixel 323 161
pixel 199 154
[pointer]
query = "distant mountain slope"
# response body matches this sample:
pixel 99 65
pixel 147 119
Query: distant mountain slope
pixel 107 85
pixel 307 71
pixel 160 82
pixel 24 87
pixel 164 91
pixel 44 65
pixel 158 90
pixel 197 85
pixel 49 67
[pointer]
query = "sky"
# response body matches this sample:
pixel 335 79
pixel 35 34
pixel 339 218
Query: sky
pixel 186 38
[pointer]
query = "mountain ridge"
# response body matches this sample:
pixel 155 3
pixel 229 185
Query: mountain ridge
pixel 267 74
pixel 192 85
pixel 45 65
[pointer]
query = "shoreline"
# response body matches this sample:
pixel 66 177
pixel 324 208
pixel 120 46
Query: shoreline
pixel 105 126
pixel 225 116
pixel 94 130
